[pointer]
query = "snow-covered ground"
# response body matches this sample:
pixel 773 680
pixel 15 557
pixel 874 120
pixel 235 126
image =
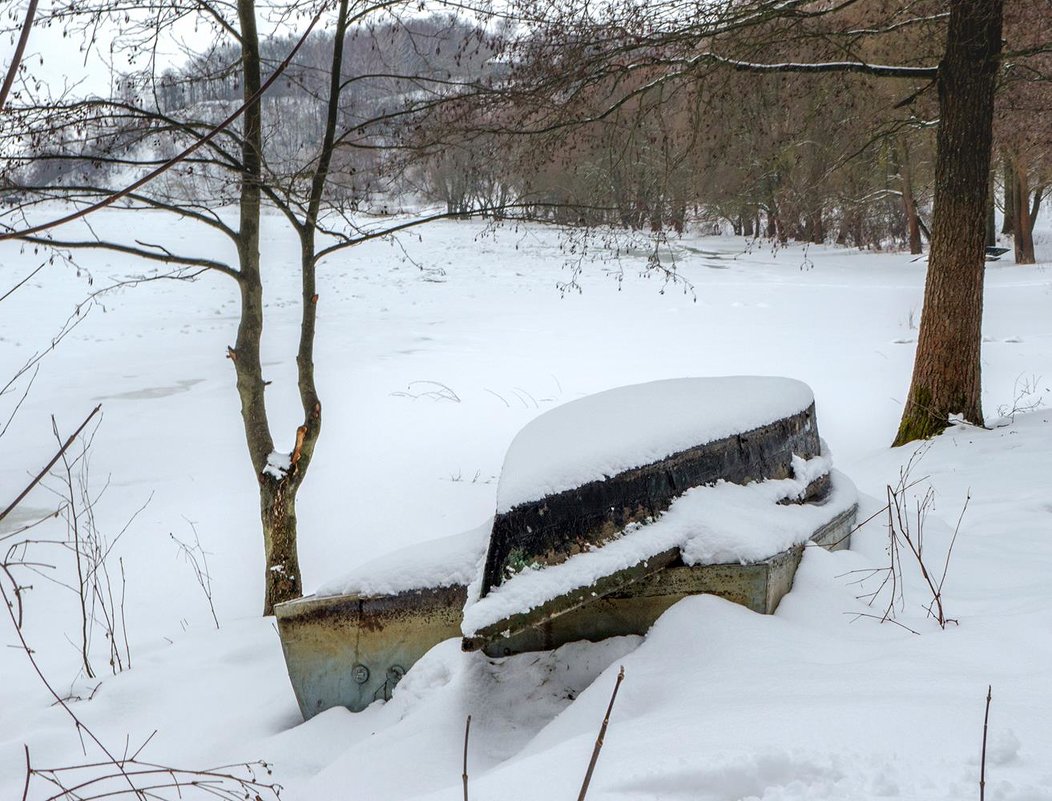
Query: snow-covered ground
pixel 428 367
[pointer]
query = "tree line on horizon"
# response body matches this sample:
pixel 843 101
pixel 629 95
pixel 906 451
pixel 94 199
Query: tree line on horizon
pixel 445 111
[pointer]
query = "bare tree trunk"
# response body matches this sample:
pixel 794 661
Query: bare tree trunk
pixel 1022 224
pixel 277 506
pixel 1035 208
pixel 772 219
pixel 1006 165
pixel 277 485
pixel 909 202
pixel 816 232
pixel 991 219
pixel 946 371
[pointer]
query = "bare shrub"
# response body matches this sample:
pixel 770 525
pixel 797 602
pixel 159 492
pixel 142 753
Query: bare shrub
pixel 197 558
pixel 905 517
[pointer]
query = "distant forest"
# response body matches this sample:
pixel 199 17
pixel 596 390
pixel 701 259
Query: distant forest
pixel 440 111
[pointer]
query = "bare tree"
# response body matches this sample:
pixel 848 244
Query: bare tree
pixel 576 52
pixel 311 192
pixel 946 370
pixel 1021 127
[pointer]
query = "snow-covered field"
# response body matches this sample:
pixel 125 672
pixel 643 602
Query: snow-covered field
pixel 427 368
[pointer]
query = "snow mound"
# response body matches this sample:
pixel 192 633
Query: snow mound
pixel 442 562
pixel 724 523
pixel 607 433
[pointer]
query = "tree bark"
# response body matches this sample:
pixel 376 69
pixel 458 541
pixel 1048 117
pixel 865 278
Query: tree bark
pixel 747 223
pixel 991 218
pixel 946 371
pixel 1035 208
pixel 1022 224
pixel 277 506
pixel 1009 181
pixel 816 232
pixel 277 486
pixel 909 203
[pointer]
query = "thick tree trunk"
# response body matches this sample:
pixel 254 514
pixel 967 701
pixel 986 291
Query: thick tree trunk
pixel 946 370
pixel 277 506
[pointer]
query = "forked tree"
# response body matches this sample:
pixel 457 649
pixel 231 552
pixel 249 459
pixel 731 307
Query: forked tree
pixel 233 168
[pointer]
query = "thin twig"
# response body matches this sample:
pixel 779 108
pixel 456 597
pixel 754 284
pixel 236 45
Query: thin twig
pixel 179 157
pixel 29 773
pixel 602 735
pixel 464 775
pixel 986 723
pixel 40 476
pixel 20 49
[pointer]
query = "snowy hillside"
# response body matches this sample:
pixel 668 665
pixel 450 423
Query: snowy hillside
pixel 432 355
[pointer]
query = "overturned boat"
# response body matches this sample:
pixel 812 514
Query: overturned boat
pixel 610 509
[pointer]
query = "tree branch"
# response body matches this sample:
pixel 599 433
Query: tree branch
pixel 175 159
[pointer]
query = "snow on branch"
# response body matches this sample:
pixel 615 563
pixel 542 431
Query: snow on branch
pixel 880 70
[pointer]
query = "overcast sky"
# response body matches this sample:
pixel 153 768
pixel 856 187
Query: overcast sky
pixel 66 61
pixel 50 57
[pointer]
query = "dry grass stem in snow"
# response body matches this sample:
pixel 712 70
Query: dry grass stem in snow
pixel 905 529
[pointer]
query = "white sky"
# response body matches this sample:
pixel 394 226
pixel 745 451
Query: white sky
pixel 54 59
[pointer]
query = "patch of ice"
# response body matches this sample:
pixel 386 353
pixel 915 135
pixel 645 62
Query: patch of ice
pixel 607 433
pixel 443 562
pixel 724 523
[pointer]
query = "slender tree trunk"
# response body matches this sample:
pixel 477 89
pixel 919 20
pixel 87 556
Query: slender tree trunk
pixel 946 371
pixel 278 488
pixel 1022 224
pixel 909 203
pixel 991 219
pixel 816 232
pixel 1009 181
pixel 277 483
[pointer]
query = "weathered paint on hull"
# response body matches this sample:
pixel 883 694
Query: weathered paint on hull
pixel 349 650
pixel 552 529
pixel 326 639
pixel 760 586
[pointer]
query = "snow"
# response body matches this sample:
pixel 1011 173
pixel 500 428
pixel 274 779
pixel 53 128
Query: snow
pixel 278 464
pixel 613 431
pixel 718 703
pixel 442 562
pixel 694 411
pixel 723 523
